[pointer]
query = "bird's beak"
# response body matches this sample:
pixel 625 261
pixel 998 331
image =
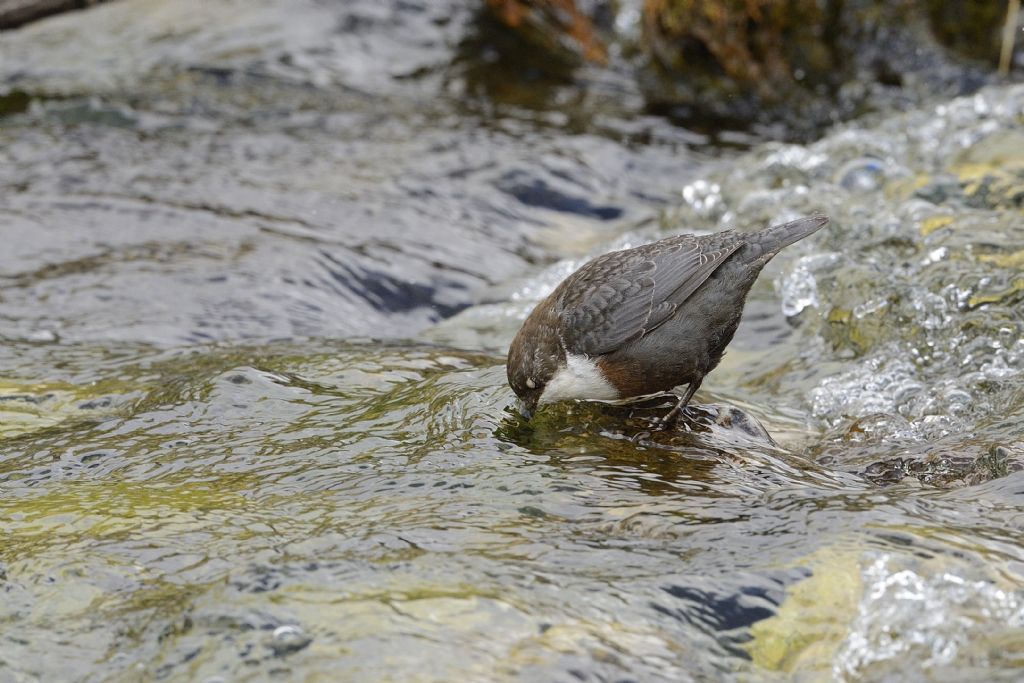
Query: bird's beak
pixel 526 409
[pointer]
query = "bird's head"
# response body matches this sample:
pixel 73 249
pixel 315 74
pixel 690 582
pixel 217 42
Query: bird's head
pixel 533 359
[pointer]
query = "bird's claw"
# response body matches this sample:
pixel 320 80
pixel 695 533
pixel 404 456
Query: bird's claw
pixel 670 419
pixel 659 424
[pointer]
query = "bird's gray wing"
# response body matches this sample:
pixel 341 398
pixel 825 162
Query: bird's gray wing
pixel 621 296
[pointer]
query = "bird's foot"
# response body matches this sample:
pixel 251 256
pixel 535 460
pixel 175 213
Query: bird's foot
pixel 670 419
pixel 660 424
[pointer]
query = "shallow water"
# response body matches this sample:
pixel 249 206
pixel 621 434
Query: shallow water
pixel 301 509
pixel 254 422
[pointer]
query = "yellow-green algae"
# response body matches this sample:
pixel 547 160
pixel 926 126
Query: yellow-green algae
pixel 802 638
pixel 25 408
pixel 807 635
pixel 991 171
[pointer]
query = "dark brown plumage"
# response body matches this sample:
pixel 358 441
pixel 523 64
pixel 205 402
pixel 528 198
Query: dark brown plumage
pixel 644 320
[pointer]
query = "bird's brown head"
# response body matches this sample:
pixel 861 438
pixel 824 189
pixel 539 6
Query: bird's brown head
pixel 533 357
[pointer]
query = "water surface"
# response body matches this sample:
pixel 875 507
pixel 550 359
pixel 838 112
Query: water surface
pixel 254 422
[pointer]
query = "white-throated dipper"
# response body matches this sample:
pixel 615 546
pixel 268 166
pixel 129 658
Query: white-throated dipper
pixel 645 320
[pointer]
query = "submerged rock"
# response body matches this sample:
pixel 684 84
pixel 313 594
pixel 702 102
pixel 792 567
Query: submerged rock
pixel 784 69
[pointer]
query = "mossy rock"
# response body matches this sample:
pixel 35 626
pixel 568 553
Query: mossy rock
pixel 556 26
pixel 805 64
pixel 757 46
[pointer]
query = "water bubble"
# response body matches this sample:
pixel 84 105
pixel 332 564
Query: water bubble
pixel 288 639
pixel 881 385
pixel 865 174
pixel 796 157
pixel 42 336
pixel 799 287
pixel 702 196
pixel 909 617
pixel 934 256
pixel 627 20
pixel 933 313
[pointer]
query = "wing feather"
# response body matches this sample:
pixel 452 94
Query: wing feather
pixel 622 296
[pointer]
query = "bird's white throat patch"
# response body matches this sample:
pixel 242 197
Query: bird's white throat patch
pixel 580 377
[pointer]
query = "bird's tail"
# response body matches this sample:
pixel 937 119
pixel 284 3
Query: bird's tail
pixel 771 241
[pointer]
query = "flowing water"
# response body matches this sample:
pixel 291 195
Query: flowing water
pixel 260 266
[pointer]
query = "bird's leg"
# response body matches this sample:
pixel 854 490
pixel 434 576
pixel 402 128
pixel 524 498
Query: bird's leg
pixel 673 414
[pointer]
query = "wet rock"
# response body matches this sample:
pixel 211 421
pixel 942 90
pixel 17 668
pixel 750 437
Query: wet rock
pixel 14 102
pixel 807 628
pixel 973 29
pixel 753 46
pixel 557 26
pixel 725 421
pixel 783 69
pixel 802 64
pixel 717 425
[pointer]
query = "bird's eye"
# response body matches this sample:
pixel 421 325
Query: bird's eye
pixel 531 384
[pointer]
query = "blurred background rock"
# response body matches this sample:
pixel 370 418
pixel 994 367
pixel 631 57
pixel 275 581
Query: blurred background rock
pixel 783 68
pixel 797 65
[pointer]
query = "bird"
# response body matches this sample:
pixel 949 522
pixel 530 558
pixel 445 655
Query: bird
pixel 643 321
